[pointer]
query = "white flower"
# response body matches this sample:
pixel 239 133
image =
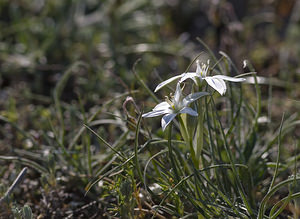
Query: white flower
pixel 178 104
pixel 217 82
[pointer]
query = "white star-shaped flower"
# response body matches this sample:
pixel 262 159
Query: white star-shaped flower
pixel 217 82
pixel 178 104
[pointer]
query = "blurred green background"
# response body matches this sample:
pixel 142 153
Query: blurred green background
pixel 40 39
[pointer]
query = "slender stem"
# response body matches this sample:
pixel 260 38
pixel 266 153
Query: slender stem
pixel 199 131
pixel 188 138
pixel 183 129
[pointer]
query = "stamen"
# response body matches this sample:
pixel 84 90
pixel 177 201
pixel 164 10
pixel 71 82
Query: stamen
pixel 169 101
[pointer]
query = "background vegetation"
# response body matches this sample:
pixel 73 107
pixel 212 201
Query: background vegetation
pixel 68 63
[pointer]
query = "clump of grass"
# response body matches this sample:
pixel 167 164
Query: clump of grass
pixel 216 164
pixel 230 174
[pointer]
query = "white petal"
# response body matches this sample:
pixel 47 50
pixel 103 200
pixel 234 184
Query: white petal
pixel 217 84
pixel 198 69
pixel 202 69
pixel 227 78
pixel 206 69
pixel 192 97
pixel 164 83
pixel 177 95
pixel 191 75
pixel 161 106
pixel 166 119
pixel 154 113
pixel 189 111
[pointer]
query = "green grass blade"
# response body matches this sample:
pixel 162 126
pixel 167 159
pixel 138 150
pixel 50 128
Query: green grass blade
pixel 57 93
pixel 235 173
pixel 105 142
pixel 261 211
pixel 278 155
pixel 143 83
pixel 136 145
pixel 27 162
pixel 92 117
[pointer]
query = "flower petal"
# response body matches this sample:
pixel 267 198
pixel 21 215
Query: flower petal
pixel 227 78
pixel 217 84
pixel 185 76
pixel 189 111
pixel 166 119
pixel 177 95
pixel 164 83
pixel 154 113
pixel 161 106
pixel 192 97
pixel 202 69
pixel 198 69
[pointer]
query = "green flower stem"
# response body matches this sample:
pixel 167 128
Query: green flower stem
pixel 188 138
pixel 199 130
pixel 199 136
